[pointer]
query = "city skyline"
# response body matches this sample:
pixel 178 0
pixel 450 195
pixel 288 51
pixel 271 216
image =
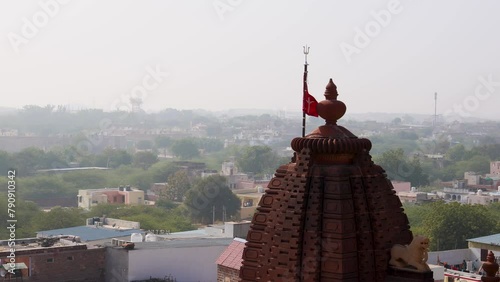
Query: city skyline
pixel 385 56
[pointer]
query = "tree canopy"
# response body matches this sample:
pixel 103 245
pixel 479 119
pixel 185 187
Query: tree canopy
pixel 185 149
pixel 177 186
pixel 212 194
pixel 398 167
pixel 449 225
pixel 258 159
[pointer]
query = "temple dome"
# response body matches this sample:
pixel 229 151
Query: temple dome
pixel 330 214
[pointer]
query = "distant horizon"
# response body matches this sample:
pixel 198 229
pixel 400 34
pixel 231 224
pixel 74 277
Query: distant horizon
pixel 383 55
pixel 296 113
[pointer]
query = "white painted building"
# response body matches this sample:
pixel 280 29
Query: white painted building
pixel 182 259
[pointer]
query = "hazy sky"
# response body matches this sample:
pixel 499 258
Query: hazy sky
pixel 384 56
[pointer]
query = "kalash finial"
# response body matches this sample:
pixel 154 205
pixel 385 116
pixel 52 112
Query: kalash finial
pixel 331 110
pixel 331 91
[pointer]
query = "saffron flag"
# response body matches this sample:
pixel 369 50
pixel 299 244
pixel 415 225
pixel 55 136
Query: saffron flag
pixel 309 103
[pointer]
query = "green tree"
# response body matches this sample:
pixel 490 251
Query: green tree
pixel 43 187
pixel 211 194
pixel 59 217
pixel 397 167
pixel 396 121
pixel 258 159
pixel 141 179
pixel 29 160
pixel 449 225
pixel 150 217
pixel 91 179
pixel 479 164
pixel 415 174
pixel 185 149
pixel 178 185
pixel 456 153
pixel 5 161
pixel 162 170
pixel 144 145
pixel 163 141
pixel 113 158
pixel 144 159
pixel 210 145
pixel 491 150
pixel 25 212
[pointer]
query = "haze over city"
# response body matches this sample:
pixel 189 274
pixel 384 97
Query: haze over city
pixel 385 56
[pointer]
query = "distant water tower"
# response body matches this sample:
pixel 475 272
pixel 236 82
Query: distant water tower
pixel 136 104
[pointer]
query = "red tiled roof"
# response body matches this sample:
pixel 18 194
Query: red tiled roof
pixel 232 255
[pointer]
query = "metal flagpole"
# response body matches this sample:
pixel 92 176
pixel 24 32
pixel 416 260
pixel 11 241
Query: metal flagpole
pixel 306 52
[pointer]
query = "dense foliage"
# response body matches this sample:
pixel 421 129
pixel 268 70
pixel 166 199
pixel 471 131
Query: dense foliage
pixel 449 225
pixel 211 199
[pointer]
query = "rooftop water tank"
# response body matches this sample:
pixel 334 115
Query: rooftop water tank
pixel 136 237
pixel 150 237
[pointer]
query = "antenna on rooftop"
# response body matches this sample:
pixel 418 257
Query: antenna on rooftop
pixel 223 214
pixel 435 108
pixel 213 215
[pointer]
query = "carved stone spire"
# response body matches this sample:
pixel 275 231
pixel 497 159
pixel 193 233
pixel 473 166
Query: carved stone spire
pixel 329 215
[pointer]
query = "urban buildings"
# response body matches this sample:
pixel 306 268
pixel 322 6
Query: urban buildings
pixel 121 195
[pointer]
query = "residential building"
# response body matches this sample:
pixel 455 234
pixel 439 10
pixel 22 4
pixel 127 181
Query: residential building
pixel 495 168
pixel 483 198
pixel 472 178
pixel 186 259
pixel 230 171
pixel 401 186
pixel 465 264
pixel 122 195
pixel 250 199
pixel 480 246
pixel 413 197
pixel 173 255
pixel 54 259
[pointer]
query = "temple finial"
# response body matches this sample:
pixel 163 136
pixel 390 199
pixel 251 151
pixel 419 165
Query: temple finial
pixel 331 91
pixel 331 109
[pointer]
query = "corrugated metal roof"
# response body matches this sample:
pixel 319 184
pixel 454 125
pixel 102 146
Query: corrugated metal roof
pixel 491 239
pixel 89 233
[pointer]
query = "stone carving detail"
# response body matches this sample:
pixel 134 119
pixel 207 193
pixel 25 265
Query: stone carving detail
pixel 411 256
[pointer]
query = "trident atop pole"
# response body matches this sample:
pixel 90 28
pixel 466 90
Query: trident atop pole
pixel 304 90
pixel 306 52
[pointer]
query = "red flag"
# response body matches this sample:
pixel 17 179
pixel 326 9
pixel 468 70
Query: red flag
pixel 309 103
